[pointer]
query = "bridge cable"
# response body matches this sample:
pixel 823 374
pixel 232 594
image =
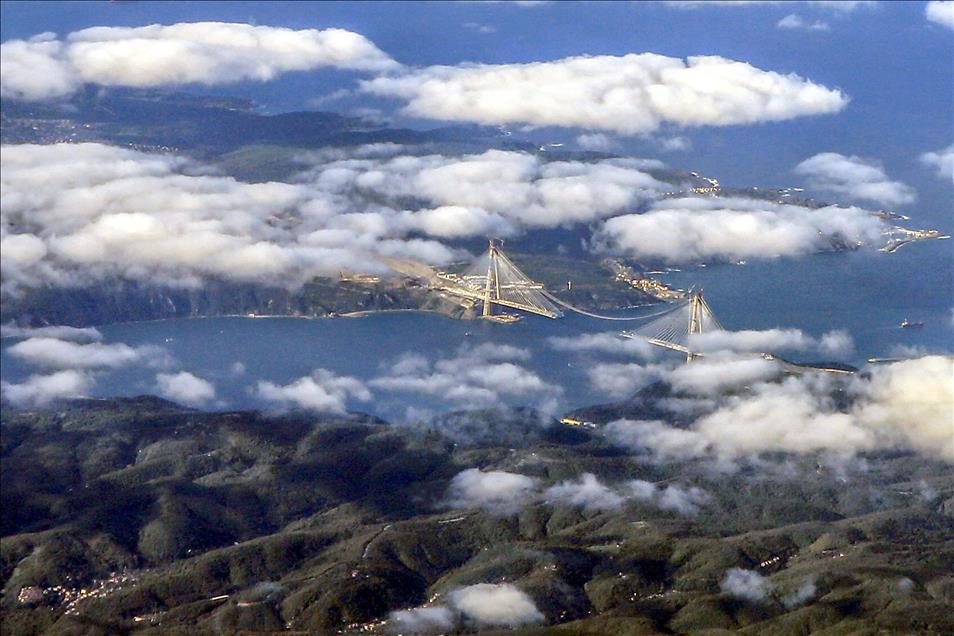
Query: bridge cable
pixel 601 317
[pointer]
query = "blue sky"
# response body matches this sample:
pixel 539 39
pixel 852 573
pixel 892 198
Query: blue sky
pixel 896 67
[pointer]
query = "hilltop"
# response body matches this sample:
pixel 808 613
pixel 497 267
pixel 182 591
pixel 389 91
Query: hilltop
pixel 140 516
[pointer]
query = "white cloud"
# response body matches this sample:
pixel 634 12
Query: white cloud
pixel 787 416
pixel 940 12
pixel 477 27
pixel 501 604
pixel 591 494
pixel 34 69
pixel 76 214
pixel 599 142
pixel 805 592
pixel 666 443
pixel 635 93
pixel 621 380
pixel 495 491
pixel 79 213
pixel 685 501
pixel 60 332
pixel 23 258
pixel 675 144
pixel 941 160
pixel 747 585
pixel 38 390
pixel 749 340
pixel 838 6
pixel 321 391
pixel 496 191
pixel 716 374
pixel 586 492
pixel 185 388
pixel 455 221
pixel 855 178
pixel 516 3
pixel 795 21
pixel 200 52
pixel 435 619
pixel 482 376
pixel 769 340
pixel 836 343
pixel 911 403
pixel 506 493
pixel 63 354
pixel 705 228
pixel 609 343
pixel 905 586
pixel 484 604
pixel 908 404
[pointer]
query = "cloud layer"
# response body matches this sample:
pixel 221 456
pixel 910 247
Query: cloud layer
pixel 477 377
pixel 41 389
pixel 838 6
pixel 713 228
pixel 941 160
pixel 53 353
pixel 635 93
pixel 505 493
pixel 61 332
pixel 436 619
pixel 940 12
pixel 907 404
pixel 493 193
pixel 795 21
pixel 481 605
pixel 76 357
pixel 607 343
pixel 747 585
pixel 73 214
pixel 185 388
pixel 496 491
pixel 201 52
pixel 500 604
pixel 834 343
pixel 855 178
pixel 76 214
pixel 322 391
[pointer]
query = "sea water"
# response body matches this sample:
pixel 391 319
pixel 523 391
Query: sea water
pixel 864 293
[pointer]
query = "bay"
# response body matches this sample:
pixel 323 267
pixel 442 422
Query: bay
pixel 866 294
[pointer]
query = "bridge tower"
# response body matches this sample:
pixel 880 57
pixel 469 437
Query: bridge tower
pixel 493 278
pixel 675 328
pixel 696 304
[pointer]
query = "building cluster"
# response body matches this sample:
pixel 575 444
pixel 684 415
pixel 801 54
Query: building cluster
pixel 650 286
pixel 656 288
pixel 353 277
pixel 68 597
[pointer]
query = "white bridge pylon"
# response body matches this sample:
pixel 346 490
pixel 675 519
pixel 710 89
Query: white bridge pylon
pixel 675 329
pixel 493 279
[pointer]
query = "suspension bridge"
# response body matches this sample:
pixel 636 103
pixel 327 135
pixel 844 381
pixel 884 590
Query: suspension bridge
pixel 674 329
pixel 493 281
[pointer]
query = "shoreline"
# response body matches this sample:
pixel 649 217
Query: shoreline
pixel 352 314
